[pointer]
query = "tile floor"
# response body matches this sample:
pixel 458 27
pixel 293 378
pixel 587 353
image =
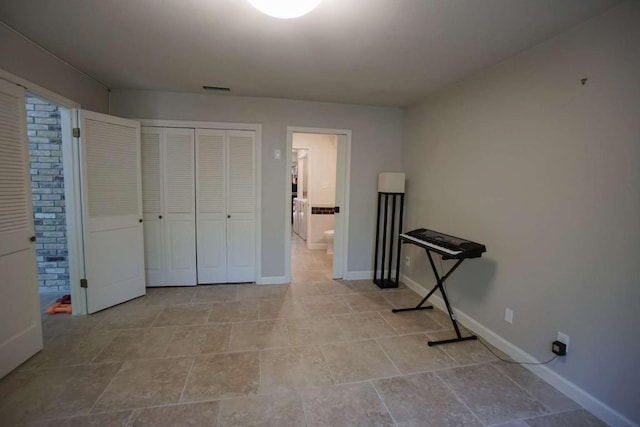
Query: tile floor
pixel 316 352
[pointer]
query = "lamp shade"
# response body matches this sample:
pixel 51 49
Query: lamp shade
pixel 391 182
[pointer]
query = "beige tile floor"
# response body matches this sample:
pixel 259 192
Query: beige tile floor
pixel 316 352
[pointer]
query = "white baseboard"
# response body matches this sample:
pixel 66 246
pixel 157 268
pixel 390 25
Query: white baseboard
pixel 357 275
pixel 272 280
pixel 579 395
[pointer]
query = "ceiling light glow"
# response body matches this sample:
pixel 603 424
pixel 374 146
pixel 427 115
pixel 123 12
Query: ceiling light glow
pixel 285 9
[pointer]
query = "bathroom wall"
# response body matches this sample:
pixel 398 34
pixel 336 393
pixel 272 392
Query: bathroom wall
pixel 321 183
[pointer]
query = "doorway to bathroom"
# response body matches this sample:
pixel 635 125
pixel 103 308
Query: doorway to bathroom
pixel 317 176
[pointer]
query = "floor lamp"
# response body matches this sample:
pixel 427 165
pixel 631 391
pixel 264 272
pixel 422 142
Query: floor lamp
pixel 390 206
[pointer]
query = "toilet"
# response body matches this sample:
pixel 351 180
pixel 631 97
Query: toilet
pixel 328 237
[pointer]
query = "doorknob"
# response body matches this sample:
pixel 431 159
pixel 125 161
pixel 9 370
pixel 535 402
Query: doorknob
pixel 32 238
pixel 140 220
pixel 228 216
pixel 159 216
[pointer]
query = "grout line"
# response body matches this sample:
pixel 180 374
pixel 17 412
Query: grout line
pixel 438 377
pixel 107 386
pixel 383 402
pixel 186 379
pixel 333 378
pixel 388 357
pixel 518 385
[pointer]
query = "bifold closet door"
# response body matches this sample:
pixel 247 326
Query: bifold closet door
pixel 179 201
pixel 241 215
pixel 152 206
pixel 169 206
pixel 225 189
pixel 211 205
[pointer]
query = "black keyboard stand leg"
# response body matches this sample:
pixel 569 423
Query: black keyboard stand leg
pixel 440 286
pixel 419 306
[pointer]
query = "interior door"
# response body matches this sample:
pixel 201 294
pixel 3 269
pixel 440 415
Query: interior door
pixel 211 208
pixel 112 209
pixel 152 192
pixel 20 327
pixel 240 206
pixel 179 200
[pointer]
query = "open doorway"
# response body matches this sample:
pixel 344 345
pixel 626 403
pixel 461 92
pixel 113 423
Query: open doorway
pixel 313 169
pixel 318 175
pixel 46 165
pixel 55 190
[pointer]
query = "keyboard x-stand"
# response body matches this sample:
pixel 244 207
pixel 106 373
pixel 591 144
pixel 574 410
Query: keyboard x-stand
pixel 449 247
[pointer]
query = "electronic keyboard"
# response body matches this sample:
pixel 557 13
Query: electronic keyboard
pixel 444 244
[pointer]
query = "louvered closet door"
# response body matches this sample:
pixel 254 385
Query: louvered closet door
pixel 240 206
pixel 152 205
pixel 112 209
pixel 211 206
pixel 20 328
pixel 179 207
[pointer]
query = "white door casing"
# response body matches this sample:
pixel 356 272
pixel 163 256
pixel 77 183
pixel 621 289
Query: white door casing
pixel 20 323
pixel 112 209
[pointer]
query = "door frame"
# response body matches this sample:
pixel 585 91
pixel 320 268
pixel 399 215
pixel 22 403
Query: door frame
pixel 343 179
pixel 72 193
pixel 257 128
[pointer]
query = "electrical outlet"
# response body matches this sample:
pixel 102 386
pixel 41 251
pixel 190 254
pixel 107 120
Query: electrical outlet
pixel 564 338
pixel 407 261
pixel 508 315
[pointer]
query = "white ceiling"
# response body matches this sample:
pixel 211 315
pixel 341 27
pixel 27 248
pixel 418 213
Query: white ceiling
pixel 374 52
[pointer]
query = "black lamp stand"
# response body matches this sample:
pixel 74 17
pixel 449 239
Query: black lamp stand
pixel 386 231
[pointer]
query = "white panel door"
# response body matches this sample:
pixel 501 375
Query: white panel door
pixel 20 327
pixel 152 193
pixel 112 209
pixel 240 206
pixel 179 202
pixel 211 209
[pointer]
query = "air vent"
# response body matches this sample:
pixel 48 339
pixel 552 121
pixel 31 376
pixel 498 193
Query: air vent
pixel 218 88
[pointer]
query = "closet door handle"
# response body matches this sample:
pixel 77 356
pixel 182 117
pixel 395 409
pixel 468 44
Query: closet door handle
pixel 160 217
pixel 140 220
pixel 228 216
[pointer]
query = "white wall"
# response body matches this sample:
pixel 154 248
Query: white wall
pixel 546 172
pixel 21 58
pixel 376 146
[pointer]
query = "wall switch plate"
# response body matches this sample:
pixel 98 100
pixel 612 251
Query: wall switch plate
pixel 564 338
pixel 407 261
pixel 277 154
pixel 508 315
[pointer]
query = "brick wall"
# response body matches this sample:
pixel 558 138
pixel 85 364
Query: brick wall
pixel 47 187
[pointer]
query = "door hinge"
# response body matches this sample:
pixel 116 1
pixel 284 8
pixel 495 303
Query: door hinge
pixel 83 283
pixel 336 209
pixel 76 132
